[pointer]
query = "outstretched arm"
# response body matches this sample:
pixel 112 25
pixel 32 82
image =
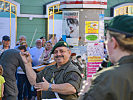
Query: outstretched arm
pixel 31 75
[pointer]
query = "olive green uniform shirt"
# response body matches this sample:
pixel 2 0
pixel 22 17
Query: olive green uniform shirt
pixel 114 83
pixel 68 73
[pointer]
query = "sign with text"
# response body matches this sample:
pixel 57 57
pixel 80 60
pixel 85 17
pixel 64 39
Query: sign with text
pixel 95 53
pixel 70 27
pixel 91 27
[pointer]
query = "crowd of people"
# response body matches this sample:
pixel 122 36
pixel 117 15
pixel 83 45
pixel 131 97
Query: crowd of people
pixel 40 54
pixel 63 79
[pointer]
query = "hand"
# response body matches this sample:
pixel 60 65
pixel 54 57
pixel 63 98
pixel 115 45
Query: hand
pixel 26 57
pixel 86 86
pixel 42 86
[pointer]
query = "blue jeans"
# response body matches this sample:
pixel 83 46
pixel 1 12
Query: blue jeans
pixel 24 87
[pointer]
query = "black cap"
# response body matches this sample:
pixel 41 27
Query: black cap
pixel 6 38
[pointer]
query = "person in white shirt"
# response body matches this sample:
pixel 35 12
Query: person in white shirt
pixel 36 52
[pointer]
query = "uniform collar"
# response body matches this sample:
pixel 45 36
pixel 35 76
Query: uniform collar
pixel 126 59
pixel 62 67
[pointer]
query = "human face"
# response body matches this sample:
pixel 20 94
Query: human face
pixel 6 44
pixel 79 59
pixel 72 27
pixel 73 58
pixel 61 55
pixel 109 46
pixel 48 46
pixel 38 43
pixel 22 50
pixel 22 39
pixel 43 41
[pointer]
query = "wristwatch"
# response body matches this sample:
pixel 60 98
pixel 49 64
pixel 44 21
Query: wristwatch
pixel 50 87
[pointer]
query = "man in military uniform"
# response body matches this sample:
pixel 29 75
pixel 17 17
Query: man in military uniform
pixel 116 82
pixel 61 80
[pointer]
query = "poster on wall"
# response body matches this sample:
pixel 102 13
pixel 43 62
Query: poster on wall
pixel 91 31
pixel 80 50
pixel 91 37
pixel 95 53
pixel 70 27
pixel 95 49
pixel 91 27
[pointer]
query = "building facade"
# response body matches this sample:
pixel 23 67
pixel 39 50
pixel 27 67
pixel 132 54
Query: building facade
pixel 32 21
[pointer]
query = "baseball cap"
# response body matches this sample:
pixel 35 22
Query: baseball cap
pixel 6 38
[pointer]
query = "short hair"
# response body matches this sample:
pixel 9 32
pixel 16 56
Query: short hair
pixel 78 57
pixel 22 36
pixel 42 37
pixel 72 21
pixel 73 54
pixel 126 44
pixel 22 47
pixel 38 40
pixel 48 42
pixel 83 60
pixel 1 68
pixel 23 42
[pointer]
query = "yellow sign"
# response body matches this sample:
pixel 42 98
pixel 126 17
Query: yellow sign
pixel 91 27
pixel 95 59
pixel 125 10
